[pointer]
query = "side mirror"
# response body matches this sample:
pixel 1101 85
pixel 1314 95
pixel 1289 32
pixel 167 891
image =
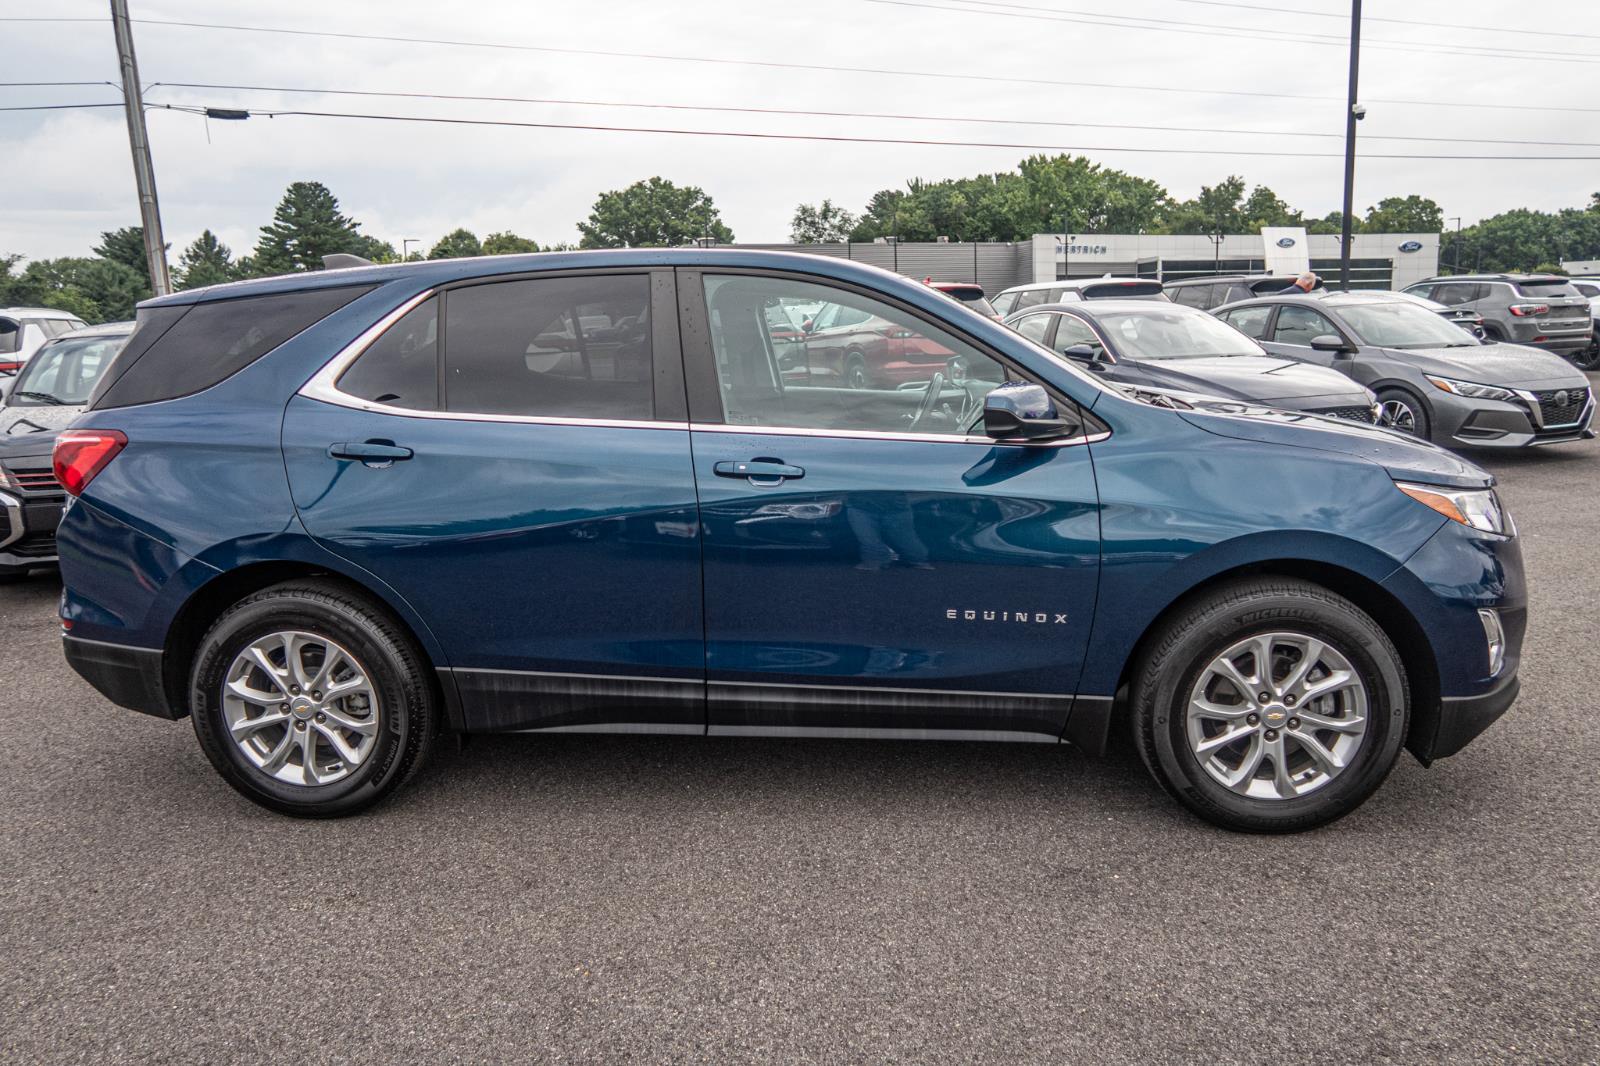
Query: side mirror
pixel 808 325
pixel 1327 342
pixel 1084 352
pixel 1020 411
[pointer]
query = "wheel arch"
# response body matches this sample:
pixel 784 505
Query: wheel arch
pixel 208 601
pixel 1391 615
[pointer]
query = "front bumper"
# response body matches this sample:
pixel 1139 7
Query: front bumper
pixel 127 676
pixel 1473 423
pixel 28 531
pixel 1462 718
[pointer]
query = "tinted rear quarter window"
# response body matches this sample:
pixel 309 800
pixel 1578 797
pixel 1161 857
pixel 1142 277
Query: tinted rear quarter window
pixel 401 368
pixel 551 347
pixel 207 343
pixel 10 335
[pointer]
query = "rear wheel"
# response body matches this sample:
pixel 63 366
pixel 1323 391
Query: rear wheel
pixel 1271 706
pixel 309 700
pixel 1402 411
pixel 1588 358
pixel 855 371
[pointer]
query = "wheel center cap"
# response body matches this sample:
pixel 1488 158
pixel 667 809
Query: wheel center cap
pixel 302 708
pixel 1274 715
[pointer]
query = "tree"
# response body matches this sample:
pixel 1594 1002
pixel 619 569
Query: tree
pixel 96 290
pixel 1404 214
pixel 825 223
pixel 126 246
pixel 651 214
pixel 508 243
pixel 207 261
pixel 307 226
pixel 457 244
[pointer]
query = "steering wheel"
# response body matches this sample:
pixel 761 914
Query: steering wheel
pixel 930 400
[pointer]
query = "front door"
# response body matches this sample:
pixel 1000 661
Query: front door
pixel 872 566
pixel 512 458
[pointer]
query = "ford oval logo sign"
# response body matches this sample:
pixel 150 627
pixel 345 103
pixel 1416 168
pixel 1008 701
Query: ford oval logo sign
pixel 1411 246
pixel 1285 242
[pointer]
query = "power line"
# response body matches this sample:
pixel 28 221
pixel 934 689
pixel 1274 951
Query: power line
pixel 1365 18
pixel 653 105
pixel 840 138
pixel 41 84
pixel 1139 22
pixel 1187 90
pixel 57 107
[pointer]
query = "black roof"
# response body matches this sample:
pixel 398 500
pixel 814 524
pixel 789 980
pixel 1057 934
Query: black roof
pixel 1497 277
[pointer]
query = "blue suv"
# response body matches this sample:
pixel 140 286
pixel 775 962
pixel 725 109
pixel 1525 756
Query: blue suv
pixel 329 516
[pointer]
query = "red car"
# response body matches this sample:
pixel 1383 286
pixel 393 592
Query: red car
pixel 968 293
pixel 847 346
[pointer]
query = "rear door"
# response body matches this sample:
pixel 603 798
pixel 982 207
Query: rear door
pixel 872 566
pixel 512 457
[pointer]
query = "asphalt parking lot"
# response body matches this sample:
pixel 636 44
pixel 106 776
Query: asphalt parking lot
pixel 667 899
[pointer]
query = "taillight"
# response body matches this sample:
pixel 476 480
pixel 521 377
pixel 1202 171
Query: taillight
pixel 9 367
pixel 1524 310
pixel 80 454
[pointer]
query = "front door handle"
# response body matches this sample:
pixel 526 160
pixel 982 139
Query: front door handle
pixel 760 471
pixel 371 452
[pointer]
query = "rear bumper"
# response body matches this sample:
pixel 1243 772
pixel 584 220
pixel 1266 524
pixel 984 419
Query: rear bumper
pixel 127 676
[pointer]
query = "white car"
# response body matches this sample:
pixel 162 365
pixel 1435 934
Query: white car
pixel 23 330
pixel 1069 290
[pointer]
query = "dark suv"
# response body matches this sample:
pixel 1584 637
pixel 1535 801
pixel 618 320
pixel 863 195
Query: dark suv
pixel 327 516
pixel 1541 310
pixel 1218 289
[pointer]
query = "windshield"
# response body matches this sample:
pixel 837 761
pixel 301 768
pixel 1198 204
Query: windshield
pixel 64 372
pixel 1403 325
pixel 1174 333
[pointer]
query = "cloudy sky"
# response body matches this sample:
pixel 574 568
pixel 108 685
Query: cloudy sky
pixel 67 174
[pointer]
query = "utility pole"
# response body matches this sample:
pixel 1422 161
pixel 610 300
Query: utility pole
pixel 1457 268
pixel 144 172
pixel 1353 113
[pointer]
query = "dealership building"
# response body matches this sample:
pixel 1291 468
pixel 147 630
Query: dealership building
pixel 1377 260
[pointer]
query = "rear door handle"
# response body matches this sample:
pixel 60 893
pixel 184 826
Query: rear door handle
pixel 760 471
pixel 371 452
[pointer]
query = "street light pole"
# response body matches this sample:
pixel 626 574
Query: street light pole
pixel 144 171
pixel 1456 269
pixel 1352 114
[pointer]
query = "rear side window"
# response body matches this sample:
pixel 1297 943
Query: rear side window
pixel 10 335
pixel 1003 302
pixel 401 369
pixel 1251 321
pixel 1190 295
pixel 1031 298
pixel 210 342
pixel 551 347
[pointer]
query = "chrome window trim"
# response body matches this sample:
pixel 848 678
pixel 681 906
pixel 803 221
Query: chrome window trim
pixel 324 386
pixel 915 438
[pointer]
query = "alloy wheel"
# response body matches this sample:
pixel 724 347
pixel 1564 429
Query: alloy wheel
pixel 300 708
pixel 1397 414
pixel 1277 716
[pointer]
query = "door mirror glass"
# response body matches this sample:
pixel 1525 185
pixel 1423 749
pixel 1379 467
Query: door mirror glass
pixel 1327 342
pixel 1017 411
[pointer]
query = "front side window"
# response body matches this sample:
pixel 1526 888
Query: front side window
pixel 1298 325
pixel 1251 321
pixel 552 347
pixel 892 372
pixel 1032 298
pixel 1071 331
pixel 401 368
pixel 1003 302
pixel 1189 295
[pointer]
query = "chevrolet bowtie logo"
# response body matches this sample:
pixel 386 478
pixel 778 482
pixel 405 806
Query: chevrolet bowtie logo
pixel 1040 618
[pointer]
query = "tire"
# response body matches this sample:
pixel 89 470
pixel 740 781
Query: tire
pixel 1393 401
pixel 1179 664
pixel 1589 358
pixel 1493 334
pixel 392 718
pixel 855 371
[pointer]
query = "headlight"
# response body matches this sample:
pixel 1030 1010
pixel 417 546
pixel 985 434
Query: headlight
pixel 1478 508
pixel 1472 389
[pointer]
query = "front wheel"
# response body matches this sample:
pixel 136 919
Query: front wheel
pixel 1400 410
pixel 311 701
pixel 1270 706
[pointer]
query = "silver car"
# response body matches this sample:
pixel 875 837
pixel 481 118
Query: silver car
pixel 1432 379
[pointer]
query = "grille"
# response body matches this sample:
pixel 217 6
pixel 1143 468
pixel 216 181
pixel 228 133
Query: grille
pixel 1557 413
pixel 42 480
pixel 1355 413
